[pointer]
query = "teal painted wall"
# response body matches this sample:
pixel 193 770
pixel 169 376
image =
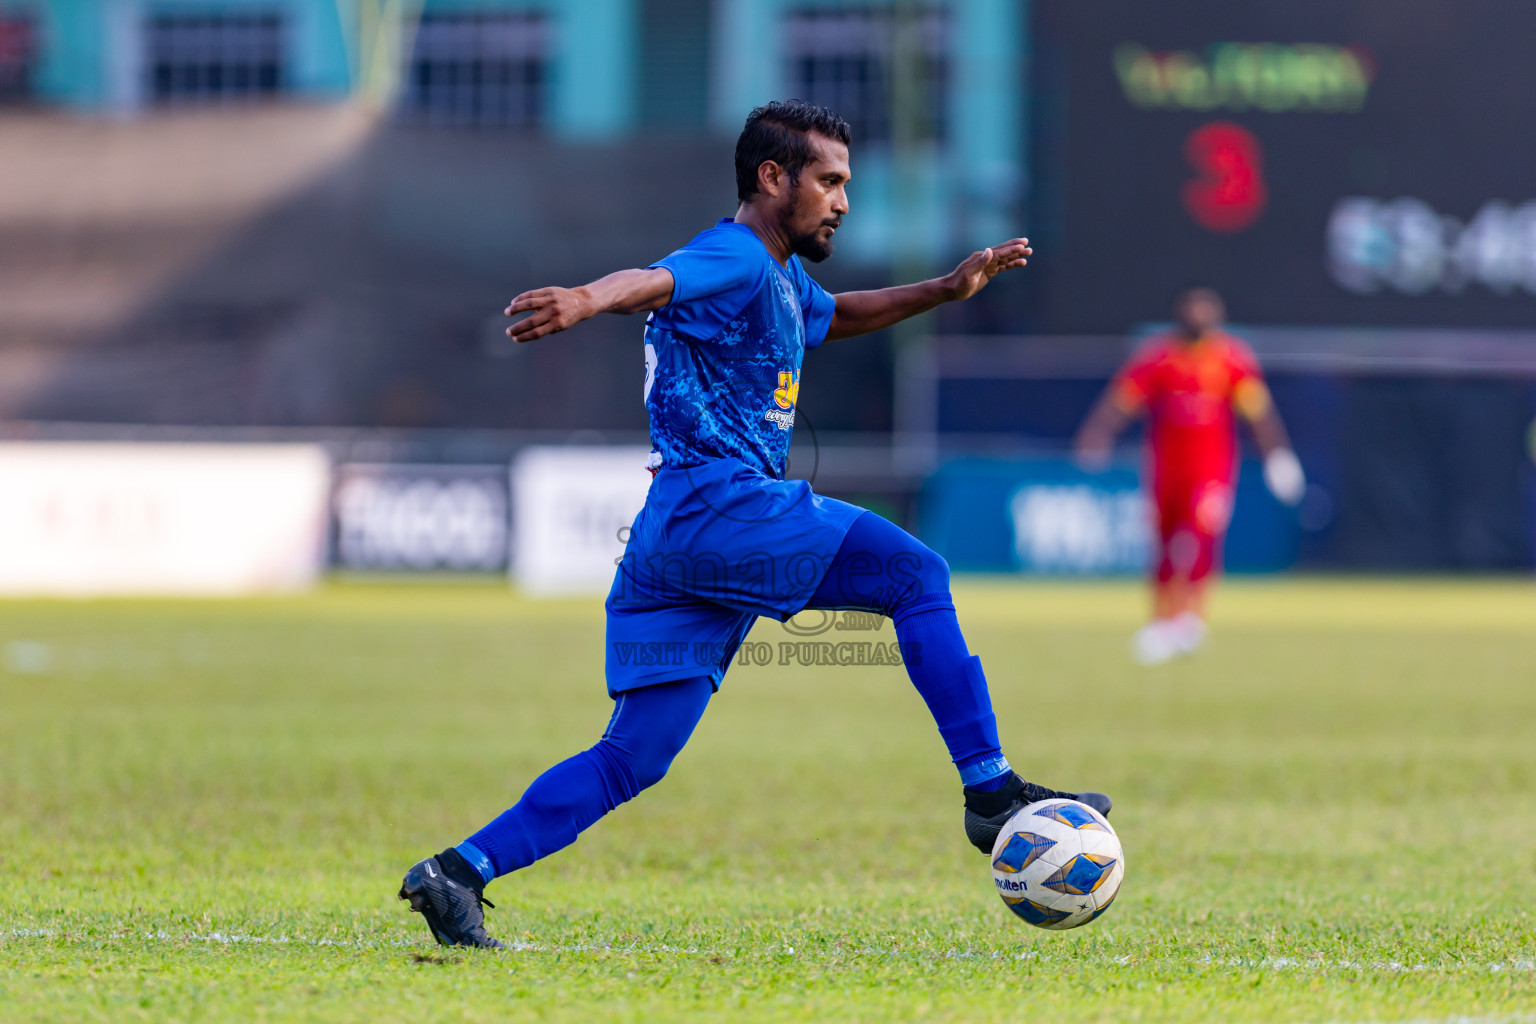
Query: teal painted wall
pixel 72 64
pixel 318 47
pixel 747 69
pixel 986 119
pixel 961 196
pixel 595 65
pixel 88 60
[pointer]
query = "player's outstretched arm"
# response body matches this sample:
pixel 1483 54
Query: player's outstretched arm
pixel 1283 474
pixel 555 309
pixel 1094 445
pixel 863 312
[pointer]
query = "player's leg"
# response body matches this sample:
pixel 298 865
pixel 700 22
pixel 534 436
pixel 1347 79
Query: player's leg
pixel 1167 587
pixel 648 728
pixel 1169 593
pixel 1207 527
pixel 1188 627
pixel 880 567
pixel 1157 641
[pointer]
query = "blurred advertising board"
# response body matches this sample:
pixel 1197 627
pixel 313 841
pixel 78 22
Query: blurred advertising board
pixel 195 519
pixel 1048 517
pixel 420 518
pixel 572 508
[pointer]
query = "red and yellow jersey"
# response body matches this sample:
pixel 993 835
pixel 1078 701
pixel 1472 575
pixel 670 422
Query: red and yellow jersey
pixel 1189 391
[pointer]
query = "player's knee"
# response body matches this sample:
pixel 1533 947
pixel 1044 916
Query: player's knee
pixel 935 577
pixel 641 761
pixel 916 574
pixel 649 765
pixel 627 770
pixel 649 727
pixel 1205 561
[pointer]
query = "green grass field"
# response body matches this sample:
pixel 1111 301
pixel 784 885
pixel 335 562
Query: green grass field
pixel 1329 815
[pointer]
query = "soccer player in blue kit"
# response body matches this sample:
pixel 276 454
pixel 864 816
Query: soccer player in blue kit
pixel 724 537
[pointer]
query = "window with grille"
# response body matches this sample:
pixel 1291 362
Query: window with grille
pixel 214 56
pixel 486 68
pixel 843 59
pixel 18 43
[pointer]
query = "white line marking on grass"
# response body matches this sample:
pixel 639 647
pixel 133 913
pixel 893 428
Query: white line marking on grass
pixel 1269 963
pixel 1524 1018
pixel 1281 963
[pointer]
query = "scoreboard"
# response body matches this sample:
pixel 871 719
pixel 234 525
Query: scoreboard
pixel 1320 162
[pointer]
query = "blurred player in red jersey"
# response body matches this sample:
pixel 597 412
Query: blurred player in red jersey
pixel 1189 382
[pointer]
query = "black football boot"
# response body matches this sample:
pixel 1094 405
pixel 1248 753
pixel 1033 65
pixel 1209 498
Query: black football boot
pixel 448 893
pixel 987 813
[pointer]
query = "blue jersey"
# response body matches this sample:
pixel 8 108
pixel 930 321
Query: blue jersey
pixel 722 358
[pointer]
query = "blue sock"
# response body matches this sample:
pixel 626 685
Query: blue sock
pixel 996 782
pixel 649 726
pixel 477 859
pixel 880 567
pixel 952 684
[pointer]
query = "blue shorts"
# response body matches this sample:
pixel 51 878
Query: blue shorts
pixel 714 547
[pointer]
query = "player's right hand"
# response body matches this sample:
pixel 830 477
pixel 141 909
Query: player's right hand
pixel 549 309
pixel 1093 454
pixel 1283 476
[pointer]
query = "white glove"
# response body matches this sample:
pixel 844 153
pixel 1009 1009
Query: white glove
pixel 1283 476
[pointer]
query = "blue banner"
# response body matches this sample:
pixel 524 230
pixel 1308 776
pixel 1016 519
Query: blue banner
pixel 1048 517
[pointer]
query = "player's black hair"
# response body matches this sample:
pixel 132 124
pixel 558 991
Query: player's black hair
pixel 778 132
pixel 1186 290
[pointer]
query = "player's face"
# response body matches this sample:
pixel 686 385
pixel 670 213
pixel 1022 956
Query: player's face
pixel 818 200
pixel 1199 312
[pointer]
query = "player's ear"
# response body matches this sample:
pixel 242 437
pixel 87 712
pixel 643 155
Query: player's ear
pixel 770 178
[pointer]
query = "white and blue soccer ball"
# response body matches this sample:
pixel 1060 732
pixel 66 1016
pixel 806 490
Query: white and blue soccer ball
pixel 1057 864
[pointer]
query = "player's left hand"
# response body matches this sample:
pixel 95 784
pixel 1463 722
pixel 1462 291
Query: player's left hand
pixel 972 275
pixel 1283 476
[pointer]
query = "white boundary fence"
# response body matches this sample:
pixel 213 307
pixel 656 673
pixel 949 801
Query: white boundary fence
pixel 195 519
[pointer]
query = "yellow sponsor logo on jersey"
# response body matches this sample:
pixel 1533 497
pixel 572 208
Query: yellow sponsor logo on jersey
pixel 788 392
